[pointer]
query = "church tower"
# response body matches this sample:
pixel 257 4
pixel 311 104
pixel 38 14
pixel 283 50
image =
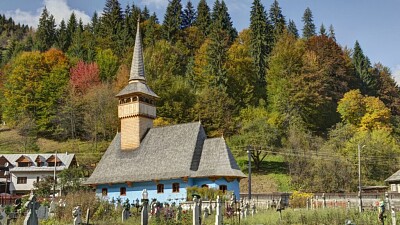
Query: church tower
pixel 136 108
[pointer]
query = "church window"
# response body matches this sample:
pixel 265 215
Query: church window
pixel 160 188
pixel 122 191
pixel 223 188
pixel 104 192
pixel 204 186
pixel 175 187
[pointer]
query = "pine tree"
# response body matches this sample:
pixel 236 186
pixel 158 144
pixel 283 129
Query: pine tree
pixel 77 48
pixel 62 37
pixel 46 32
pixel 150 31
pixel 112 23
pixel 277 19
pixel 362 67
pixel 203 20
pixel 322 30
pixel 145 14
pixel 71 28
pixel 189 15
pixel 309 26
pixel 332 32
pixel 222 20
pixel 261 37
pixel 172 20
pixel 292 29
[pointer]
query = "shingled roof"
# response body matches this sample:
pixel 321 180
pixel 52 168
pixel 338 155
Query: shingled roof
pixel 165 153
pixel 394 178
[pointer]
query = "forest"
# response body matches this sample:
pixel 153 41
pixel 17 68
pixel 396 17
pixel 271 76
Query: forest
pixel 272 88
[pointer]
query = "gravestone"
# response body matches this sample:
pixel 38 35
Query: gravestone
pixel 246 209
pixel 43 212
pixel 253 209
pixel 77 215
pixel 31 217
pixel 218 212
pixel 126 210
pixel 87 216
pixel 3 216
pixel 145 214
pixel 52 209
pixel 393 216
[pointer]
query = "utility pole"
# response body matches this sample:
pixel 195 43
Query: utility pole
pixel 359 177
pixel 249 157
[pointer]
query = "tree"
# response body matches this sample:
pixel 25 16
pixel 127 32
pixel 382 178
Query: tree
pixel 111 24
pixel 70 179
pixel 322 30
pixel 351 107
pixel 332 33
pixel 277 19
pixel 221 21
pixel 44 187
pixel 36 83
pixel 309 27
pixel 292 29
pixel 260 33
pixel 62 37
pixel 362 65
pixel 108 64
pixel 189 15
pixel 203 20
pixel 388 91
pixel 72 25
pixel 46 32
pixel 172 20
pixel 84 76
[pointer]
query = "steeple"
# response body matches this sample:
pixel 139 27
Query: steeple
pixel 136 109
pixel 137 68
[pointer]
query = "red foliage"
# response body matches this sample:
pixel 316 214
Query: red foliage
pixel 84 75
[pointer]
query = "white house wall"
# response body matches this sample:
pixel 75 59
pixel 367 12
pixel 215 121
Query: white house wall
pixel 31 177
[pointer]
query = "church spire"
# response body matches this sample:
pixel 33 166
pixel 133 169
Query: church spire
pixel 137 68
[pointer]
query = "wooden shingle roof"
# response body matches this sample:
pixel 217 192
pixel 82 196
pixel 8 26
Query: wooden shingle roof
pixel 169 152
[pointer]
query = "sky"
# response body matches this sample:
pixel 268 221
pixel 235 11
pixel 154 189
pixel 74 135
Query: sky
pixel 374 23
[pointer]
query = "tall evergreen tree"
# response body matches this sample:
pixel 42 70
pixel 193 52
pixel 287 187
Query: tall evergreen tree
pixel 189 15
pixel 292 29
pixel 46 32
pixel 172 20
pixel 322 30
pixel 222 20
pixel 362 66
pixel 71 28
pixel 112 23
pixel 145 14
pixel 261 31
pixel 309 26
pixel 332 32
pixel 62 37
pixel 277 19
pixel 203 20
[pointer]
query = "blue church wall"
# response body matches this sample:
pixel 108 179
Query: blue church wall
pixel 231 186
pixel 135 191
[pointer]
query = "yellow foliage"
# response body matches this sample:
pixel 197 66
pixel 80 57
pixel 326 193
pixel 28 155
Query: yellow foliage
pixel 298 199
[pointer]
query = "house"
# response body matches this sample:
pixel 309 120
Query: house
pixel 18 172
pixel 394 182
pixel 163 160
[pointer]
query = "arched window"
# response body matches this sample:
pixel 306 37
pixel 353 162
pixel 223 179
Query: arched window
pixel 160 188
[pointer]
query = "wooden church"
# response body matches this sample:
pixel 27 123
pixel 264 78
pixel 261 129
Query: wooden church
pixel 163 160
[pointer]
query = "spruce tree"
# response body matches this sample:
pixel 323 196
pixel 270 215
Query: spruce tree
pixel 309 26
pixel 146 13
pixel 62 37
pixel 172 20
pixel 189 15
pixel 203 20
pixel 260 31
pixel 322 30
pixel 222 20
pixel 46 32
pixel 277 19
pixel 292 29
pixel 332 32
pixel 71 28
pixel 112 23
pixel 94 24
pixel 362 67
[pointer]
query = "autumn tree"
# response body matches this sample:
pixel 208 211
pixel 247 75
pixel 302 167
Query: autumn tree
pixel 84 75
pixel 108 64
